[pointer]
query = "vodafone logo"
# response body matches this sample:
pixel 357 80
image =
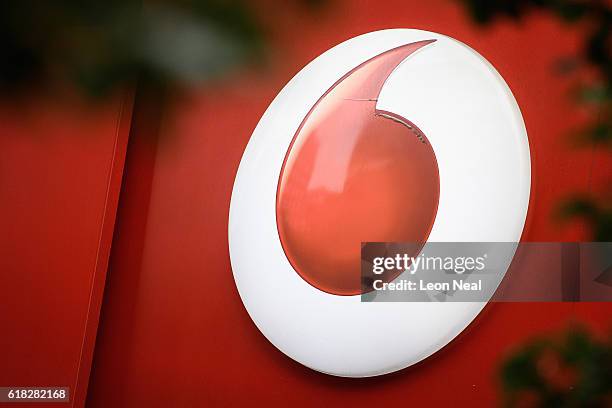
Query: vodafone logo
pixel 365 174
pixel 392 136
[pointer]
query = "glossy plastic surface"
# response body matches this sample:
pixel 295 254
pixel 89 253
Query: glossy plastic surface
pixel 354 174
pixel 476 130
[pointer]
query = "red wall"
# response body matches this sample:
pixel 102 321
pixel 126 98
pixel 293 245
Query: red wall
pixel 173 330
pixel 60 174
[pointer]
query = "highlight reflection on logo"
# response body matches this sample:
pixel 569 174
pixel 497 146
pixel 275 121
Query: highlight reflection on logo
pixel 354 173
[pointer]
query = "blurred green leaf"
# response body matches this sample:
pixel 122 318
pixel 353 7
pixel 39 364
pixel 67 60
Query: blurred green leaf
pixel 98 47
pixel 598 215
pixel 570 370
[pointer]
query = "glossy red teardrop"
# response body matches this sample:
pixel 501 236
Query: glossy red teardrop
pixel 354 174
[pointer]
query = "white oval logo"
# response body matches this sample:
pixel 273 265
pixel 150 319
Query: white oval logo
pixel 395 135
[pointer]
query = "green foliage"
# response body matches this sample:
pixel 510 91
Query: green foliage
pixel 574 370
pixel 596 213
pixel 98 46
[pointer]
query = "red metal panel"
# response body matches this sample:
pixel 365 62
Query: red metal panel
pixel 60 174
